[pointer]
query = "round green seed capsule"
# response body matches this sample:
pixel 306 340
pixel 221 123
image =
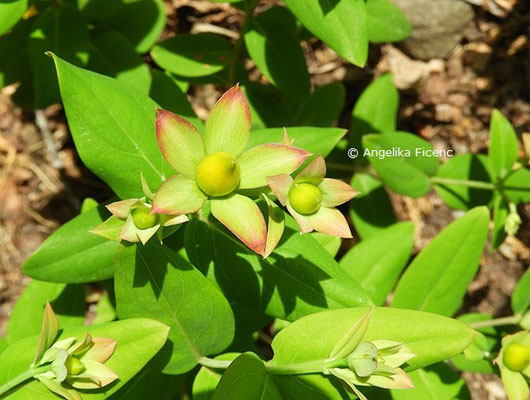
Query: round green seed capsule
pixel 305 198
pixel 74 366
pixel 516 357
pixel 218 174
pixel 143 219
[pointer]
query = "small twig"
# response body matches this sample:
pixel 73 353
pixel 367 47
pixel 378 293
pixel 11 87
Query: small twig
pixel 202 27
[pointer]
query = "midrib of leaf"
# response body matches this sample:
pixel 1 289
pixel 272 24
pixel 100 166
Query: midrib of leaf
pixel 423 377
pixel 172 314
pixel 124 131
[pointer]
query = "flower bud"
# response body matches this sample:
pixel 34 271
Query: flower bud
pixel 218 174
pixel 74 366
pixel 305 198
pixel 143 219
pixel 516 357
pixel 363 361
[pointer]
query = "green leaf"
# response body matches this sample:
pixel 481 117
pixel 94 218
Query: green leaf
pixel 207 379
pixel 153 281
pixel 63 31
pixel 168 95
pixel 386 22
pixel 375 111
pixel 86 258
pixel 517 186
pixel 297 279
pixel 246 378
pixel 68 303
pixel 14 60
pixel 521 294
pixel 322 107
pixel 314 140
pixel 113 126
pixel 140 21
pixel 314 387
pixel 437 279
pixel 465 167
pixel 371 211
pixel 342 25
pixel 268 106
pixel 500 212
pixel 503 148
pixel 3 344
pixel 376 263
pixel 278 55
pixel 403 161
pixel 436 382
pixel 113 55
pixel 431 337
pixel 138 341
pixel 10 12
pixel 192 55
pixel 330 243
pixel 105 311
pixel 88 204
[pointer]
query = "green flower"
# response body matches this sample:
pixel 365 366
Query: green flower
pixel 74 364
pixel 215 167
pixel 311 199
pixel 514 363
pixel 132 220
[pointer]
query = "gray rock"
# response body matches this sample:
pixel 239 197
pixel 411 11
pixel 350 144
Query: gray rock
pixel 438 26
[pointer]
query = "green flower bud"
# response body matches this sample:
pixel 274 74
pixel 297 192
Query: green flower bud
pixel 516 357
pixel 74 366
pixel 143 219
pixel 305 198
pixel 218 174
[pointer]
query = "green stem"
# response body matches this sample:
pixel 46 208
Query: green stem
pixel 462 182
pixel 17 380
pixel 512 320
pixel 214 364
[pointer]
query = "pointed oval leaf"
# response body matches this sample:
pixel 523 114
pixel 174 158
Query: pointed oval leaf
pixel 322 107
pixel 517 186
pixel 437 279
pixel 386 22
pixel 521 294
pixel 503 148
pixel 10 13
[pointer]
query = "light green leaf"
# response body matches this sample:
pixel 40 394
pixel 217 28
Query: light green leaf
pixel 153 281
pixel 277 53
pixel 138 341
pixel 88 204
pixel 330 243
pixel 407 166
pixel 437 279
pixel 105 311
pixel 10 13
pixel 297 279
pixel 517 186
pixel 3 344
pixel 314 387
pixel 113 127
pixel 246 378
pixel 68 303
pixel 14 60
pixel 140 21
pixel 322 107
pixel 314 140
pixel 63 31
pixel 521 294
pixel 465 167
pixel 376 263
pixel 192 55
pixel 275 224
pixel 87 257
pixel 386 22
pixel 371 211
pixel 500 212
pixel 436 382
pixel 113 55
pixel 207 379
pixel 342 25
pixel 503 148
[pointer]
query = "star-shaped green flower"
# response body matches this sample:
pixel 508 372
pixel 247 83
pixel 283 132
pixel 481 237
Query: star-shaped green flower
pixel 215 167
pixel 311 199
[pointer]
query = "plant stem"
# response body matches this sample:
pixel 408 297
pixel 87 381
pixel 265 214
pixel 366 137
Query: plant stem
pixel 462 182
pixel 512 320
pixel 214 364
pixel 17 380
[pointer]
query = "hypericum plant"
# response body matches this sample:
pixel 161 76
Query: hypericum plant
pixel 514 363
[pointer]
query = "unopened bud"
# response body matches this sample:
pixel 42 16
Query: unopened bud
pixel 516 357
pixel 218 174
pixel 305 198
pixel 143 219
pixel 74 366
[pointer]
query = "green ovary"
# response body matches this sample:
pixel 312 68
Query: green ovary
pixel 516 357
pixel 143 219
pixel 305 198
pixel 74 366
pixel 218 174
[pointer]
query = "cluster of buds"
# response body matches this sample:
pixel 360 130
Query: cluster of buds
pixel 514 363
pixel 363 363
pixel 73 363
pixel 217 167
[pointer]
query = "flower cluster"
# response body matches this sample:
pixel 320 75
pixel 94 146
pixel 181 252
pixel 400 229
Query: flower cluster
pixel 217 167
pixel 514 363
pixel 72 363
pixel 362 363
